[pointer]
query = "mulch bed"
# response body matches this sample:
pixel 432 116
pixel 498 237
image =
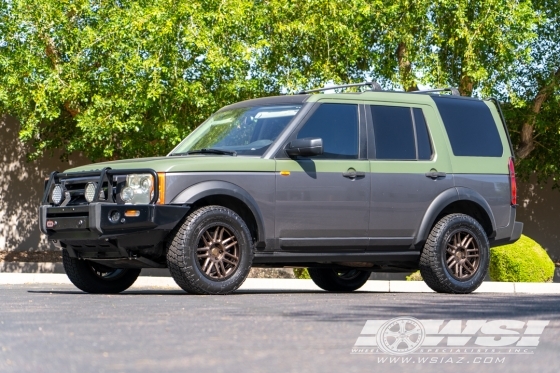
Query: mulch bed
pixel 31 256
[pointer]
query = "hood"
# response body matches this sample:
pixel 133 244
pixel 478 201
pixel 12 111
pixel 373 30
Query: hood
pixel 190 163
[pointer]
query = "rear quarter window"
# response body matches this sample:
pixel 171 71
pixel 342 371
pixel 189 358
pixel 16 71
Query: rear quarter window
pixel 470 127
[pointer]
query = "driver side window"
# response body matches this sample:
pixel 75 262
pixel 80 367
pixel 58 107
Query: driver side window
pixel 337 125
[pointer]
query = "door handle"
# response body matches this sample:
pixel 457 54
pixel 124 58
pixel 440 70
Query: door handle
pixel 352 173
pixel 435 174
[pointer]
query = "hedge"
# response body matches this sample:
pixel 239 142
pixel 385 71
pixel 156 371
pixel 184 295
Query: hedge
pixel 522 261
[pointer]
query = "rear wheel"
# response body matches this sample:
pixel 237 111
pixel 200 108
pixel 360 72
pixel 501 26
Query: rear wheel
pixel 96 278
pixel 455 258
pixel 338 280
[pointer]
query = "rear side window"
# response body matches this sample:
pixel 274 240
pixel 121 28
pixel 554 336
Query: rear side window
pixel 400 133
pixel 337 125
pixel 470 127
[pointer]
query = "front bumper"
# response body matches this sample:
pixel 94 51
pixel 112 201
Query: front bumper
pixel 92 222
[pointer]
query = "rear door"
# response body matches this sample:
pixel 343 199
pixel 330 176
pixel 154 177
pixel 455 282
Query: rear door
pixel 410 166
pixel 322 202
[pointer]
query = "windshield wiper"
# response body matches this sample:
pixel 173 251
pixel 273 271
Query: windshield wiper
pixel 208 151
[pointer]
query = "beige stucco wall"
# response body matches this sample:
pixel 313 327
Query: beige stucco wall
pixel 539 210
pixel 22 184
pixel 21 190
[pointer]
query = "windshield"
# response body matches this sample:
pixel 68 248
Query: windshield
pixel 245 131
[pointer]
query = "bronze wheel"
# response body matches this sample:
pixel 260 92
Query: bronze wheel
pixel 462 255
pixel 211 252
pixel 218 252
pixel 456 255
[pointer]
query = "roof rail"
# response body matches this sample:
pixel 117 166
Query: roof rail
pixel 454 91
pixel 374 87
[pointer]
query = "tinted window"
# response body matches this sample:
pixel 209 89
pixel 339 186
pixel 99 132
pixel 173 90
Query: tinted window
pixel 470 127
pixel 394 133
pixel 337 125
pixel 422 136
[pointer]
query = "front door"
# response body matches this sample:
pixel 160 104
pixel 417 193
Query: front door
pixel 322 202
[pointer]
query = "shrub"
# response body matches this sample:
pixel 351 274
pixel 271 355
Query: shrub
pixel 301 273
pixel 415 276
pixel 522 261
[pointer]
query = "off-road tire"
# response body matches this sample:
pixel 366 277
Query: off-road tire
pixel 338 281
pixel 433 262
pixel 85 275
pixel 184 263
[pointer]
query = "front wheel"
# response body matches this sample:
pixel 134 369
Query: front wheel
pixel 96 278
pixel 211 252
pixel 342 281
pixel 456 255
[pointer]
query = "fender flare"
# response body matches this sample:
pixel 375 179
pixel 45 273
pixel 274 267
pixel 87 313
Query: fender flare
pixel 211 188
pixel 443 200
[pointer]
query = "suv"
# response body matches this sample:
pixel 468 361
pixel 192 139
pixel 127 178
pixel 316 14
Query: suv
pixel 344 184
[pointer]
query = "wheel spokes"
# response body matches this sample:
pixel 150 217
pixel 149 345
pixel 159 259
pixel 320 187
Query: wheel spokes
pixel 218 252
pixel 462 255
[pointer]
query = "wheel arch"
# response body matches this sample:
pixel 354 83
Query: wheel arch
pixel 457 200
pixel 229 195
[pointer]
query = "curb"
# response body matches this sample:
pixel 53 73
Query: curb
pixel 271 284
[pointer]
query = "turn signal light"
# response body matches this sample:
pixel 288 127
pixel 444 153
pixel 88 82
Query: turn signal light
pixel 161 188
pixel 132 213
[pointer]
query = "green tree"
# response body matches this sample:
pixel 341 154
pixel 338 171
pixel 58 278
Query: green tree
pixel 533 109
pixel 122 79
pixel 131 78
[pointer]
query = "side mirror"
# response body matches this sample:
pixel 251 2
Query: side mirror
pixel 307 147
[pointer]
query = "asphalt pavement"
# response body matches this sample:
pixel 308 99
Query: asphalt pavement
pixel 57 328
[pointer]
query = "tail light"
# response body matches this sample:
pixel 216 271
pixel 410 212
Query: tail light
pixel 512 182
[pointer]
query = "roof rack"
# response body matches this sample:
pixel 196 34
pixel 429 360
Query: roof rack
pixel 454 91
pixel 374 87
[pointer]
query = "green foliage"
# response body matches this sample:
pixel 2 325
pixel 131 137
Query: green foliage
pixel 302 273
pixel 414 276
pixel 534 97
pixel 522 261
pixel 131 78
pixel 122 79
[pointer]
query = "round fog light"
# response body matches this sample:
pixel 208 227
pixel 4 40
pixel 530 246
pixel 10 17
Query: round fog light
pixel 56 195
pixel 114 216
pixel 90 192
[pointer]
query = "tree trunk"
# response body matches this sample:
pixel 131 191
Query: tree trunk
pixel 527 143
pixel 405 69
pixel 466 86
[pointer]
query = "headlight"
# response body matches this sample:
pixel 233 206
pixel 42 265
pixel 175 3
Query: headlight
pixel 139 189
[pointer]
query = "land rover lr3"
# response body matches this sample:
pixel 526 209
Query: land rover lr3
pixel 343 184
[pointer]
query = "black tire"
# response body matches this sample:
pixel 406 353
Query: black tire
pixel 96 278
pixel 456 255
pixel 225 267
pixel 338 281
